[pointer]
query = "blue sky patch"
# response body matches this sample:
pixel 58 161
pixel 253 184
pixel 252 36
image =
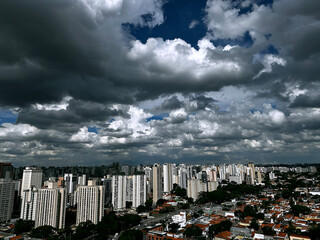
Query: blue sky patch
pixel 93 129
pixel 157 117
pixel 183 19
pixel 6 116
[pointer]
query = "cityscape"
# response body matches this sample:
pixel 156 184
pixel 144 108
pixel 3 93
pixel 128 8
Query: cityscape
pixel 160 201
pixel 160 119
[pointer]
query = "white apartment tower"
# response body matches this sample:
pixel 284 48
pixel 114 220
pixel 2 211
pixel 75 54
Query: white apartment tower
pixel 31 177
pixel 119 186
pixel 29 204
pixel 167 178
pixel 7 187
pixel 139 195
pixel 157 182
pixel 51 206
pixel 90 200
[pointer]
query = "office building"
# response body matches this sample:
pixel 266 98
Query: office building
pixel 90 203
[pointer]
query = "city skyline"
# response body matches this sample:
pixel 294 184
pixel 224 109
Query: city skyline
pixel 152 81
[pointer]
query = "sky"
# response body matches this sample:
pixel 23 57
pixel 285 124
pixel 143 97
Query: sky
pixel 90 82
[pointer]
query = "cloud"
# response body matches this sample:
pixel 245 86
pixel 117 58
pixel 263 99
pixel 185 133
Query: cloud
pixel 193 24
pixel 69 65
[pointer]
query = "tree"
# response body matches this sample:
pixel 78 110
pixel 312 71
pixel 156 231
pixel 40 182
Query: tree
pixel 149 204
pixel 160 201
pixel 141 209
pixel 173 227
pixel 297 209
pixel 22 226
pixel 314 232
pixel 84 230
pixel 193 231
pixel 254 225
pixel 131 234
pixel 268 231
pixel 220 227
pixel 185 206
pixel 42 232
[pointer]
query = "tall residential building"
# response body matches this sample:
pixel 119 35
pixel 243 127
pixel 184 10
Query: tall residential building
pixel 82 180
pixel 90 203
pixel 119 193
pixel 167 178
pixel 107 183
pixel 139 195
pixel 6 199
pixel 251 165
pixel 29 204
pixel 195 186
pixel 70 181
pixel 51 206
pixel 31 177
pixel 157 182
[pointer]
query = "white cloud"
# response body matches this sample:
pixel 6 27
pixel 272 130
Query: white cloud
pixel 172 57
pixel 54 107
pixel 268 60
pixel 193 24
pixel 17 130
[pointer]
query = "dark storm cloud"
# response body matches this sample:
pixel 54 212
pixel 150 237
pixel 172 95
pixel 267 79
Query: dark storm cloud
pixel 76 113
pixel 70 65
pixel 306 101
pixel 171 103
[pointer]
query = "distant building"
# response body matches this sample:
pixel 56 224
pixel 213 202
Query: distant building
pixel 90 203
pixel 6 199
pixel 31 177
pixel 6 170
pixel 51 206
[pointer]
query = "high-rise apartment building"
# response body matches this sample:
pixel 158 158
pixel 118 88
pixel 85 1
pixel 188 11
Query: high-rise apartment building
pixel 107 183
pixel 167 178
pixel 6 199
pixel 157 182
pixel 139 193
pixel 31 177
pixel 119 192
pixel 51 206
pixel 90 203
pixel 29 199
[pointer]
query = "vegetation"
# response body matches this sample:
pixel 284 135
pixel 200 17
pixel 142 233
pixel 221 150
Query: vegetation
pixel 268 231
pixel 141 209
pixel 220 227
pixel 297 209
pixel 22 226
pixel 43 232
pixel 173 227
pixel 193 231
pixel 131 234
